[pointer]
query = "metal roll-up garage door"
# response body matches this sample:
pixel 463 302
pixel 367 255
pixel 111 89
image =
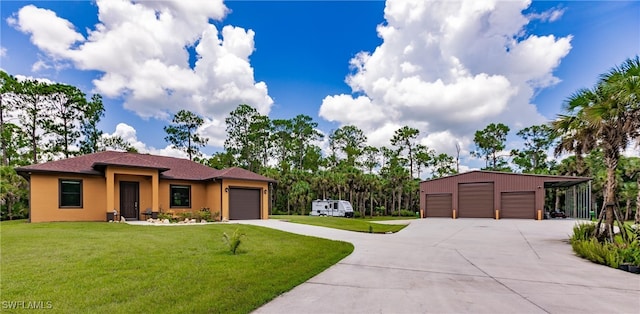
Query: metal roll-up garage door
pixel 475 200
pixel 244 204
pixel 518 205
pixel 439 205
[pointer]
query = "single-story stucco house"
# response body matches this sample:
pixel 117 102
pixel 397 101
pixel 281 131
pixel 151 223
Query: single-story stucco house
pixel 92 187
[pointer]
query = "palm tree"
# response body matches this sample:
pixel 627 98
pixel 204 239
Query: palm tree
pixel 623 83
pixel 321 183
pixel 575 134
pixel 607 117
pixel 632 170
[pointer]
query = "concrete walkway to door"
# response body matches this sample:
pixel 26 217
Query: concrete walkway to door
pixel 459 266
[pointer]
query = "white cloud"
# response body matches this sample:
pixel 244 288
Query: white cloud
pixel 548 16
pixel 40 65
pixel 449 68
pixel 129 135
pixel 22 78
pixel 3 51
pixel 141 49
pixel 49 32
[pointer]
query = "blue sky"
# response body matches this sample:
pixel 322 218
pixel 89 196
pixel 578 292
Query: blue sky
pixel 446 68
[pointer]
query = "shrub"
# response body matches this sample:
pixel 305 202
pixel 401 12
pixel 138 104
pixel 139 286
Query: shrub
pixel 630 255
pixel 590 249
pixel 203 214
pixel 614 254
pixel 583 231
pixel 163 216
pixel 233 241
pixel 356 214
pixel 633 232
pixel 185 215
pixel 407 213
pixel 606 253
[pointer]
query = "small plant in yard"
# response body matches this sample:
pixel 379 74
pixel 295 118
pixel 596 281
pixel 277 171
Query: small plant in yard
pixel 233 241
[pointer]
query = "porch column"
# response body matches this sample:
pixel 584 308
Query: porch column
pixel 110 189
pixel 155 201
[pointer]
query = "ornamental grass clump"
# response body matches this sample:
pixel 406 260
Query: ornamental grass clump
pixel 583 232
pixel 233 241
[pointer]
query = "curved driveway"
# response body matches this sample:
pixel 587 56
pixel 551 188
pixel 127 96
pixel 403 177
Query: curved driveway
pixel 459 266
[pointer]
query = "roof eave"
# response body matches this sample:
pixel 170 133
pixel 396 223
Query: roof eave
pixel 245 179
pixel 562 178
pixel 101 164
pixel 25 173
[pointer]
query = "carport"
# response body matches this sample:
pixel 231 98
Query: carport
pixel 490 194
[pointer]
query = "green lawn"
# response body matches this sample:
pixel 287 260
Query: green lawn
pixel 119 268
pixel 383 218
pixel 350 224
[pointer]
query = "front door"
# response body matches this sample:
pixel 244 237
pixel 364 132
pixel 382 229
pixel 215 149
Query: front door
pixel 129 199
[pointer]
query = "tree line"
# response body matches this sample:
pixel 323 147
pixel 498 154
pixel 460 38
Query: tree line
pixel 42 121
pixel 376 180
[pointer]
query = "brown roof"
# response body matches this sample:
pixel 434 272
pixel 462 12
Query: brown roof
pixel 239 173
pixel 546 177
pixel 169 167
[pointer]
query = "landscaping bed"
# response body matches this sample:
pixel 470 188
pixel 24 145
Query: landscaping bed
pixel 621 253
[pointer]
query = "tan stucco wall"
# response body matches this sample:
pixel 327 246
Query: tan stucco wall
pixel 44 199
pixel 102 195
pixel 145 177
pixel 214 202
pixel 229 183
pixel 198 196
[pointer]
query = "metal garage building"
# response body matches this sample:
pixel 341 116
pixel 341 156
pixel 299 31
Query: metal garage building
pixel 490 194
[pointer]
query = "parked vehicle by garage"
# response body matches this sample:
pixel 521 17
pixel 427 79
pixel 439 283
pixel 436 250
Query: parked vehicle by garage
pixel 558 214
pixel 336 208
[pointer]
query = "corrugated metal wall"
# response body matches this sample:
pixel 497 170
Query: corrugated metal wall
pixel 503 182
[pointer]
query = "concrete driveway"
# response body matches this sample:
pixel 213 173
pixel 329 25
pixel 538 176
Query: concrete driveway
pixel 459 266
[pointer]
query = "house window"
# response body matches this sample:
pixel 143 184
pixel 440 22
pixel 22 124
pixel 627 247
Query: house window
pixel 70 193
pixel 180 195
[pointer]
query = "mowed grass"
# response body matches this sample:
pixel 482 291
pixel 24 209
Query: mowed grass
pixel 119 268
pixel 387 218
pixel 350 224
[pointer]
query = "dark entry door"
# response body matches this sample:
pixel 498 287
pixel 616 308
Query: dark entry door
pixel 129 199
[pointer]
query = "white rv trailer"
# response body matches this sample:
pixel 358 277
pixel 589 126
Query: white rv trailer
pixel 335 208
